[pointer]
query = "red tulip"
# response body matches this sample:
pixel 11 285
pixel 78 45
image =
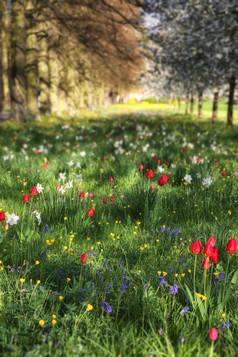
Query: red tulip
pixel 214 256
pixel 36 151
pixel 30 169
pixel 159 161
pixel 91 212
pixel 154 156
pixel 153 187
pixel 82 195
pixel 150 174
pixel 167 163
pixel 104 157
pixel 90 194
pixel 164 178
pixel 141 167
pixel 83 258
pixel 216 162
pixel 231 246
pixel 44 166
pixel 196 247
pixel 208 250
pixel 111 179
pixel 223 173
pixel 161 182
pixel 213 334
pixel 111 198
pixel 184 149
pixel 34 191
pixel 198 159
pixel 104 200
pixel 2 216
pixel 26 198
pixel 205 264
pixel 57 187
pixel 211 241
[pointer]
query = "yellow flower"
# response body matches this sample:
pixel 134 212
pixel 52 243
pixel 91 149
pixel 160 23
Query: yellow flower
pixel 68 280
pixel 65 218
pixel 53 316
pixel 89 307
pixel 37 262
pixel 146 245
pixel 38 282
pixel 98 242
pixel 216 274
pixel 223 315
pixel 139 271
pixel 41 323
pixel 201 296
pixel 141 248
pixel 65 247
pixel 164 273
pixel 159 272
pixel 189 270
pixel 54 322
pixel 60 298
pixel 22 280
pixel 176 275
pixel 183 275
pixel 229 212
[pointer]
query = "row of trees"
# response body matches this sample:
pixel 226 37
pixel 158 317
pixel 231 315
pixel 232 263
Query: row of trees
pixel 61 55
pixel 194 46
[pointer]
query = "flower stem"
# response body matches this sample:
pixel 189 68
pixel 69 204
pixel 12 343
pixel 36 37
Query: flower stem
pixel 226 277
pixel 211 350
pixel 194 276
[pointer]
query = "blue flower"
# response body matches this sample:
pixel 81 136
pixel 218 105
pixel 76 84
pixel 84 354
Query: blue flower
pixel 124 286
pixel 107 307
pixel 224 325
pixel 185 309
pixel 174 289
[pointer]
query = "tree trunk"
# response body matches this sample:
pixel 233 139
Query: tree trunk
pixel 191 104
pixel 54 80
pixel 179 104
pixel 18 40
pixel 215 106
pixel 186 104
pixel 43 67
pixel 4 33
pixel 1 67
pixel 200 99
pixel 231 102
pixel 31 62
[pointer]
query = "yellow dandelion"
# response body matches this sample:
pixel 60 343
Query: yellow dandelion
pixel 41 323
pixel 223 315
pixel 37 262
pixel 53 316
pixel 141 248
pixel 38 282
pixel 22 280
pixel 68 280
pixel 54 322
pixel 159 272
pixel 61 298
pixel 89 307
pixel 164 273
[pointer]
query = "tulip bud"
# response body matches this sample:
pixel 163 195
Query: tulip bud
pixel 211 240
pixel 2 216
pixel 34 191
pixel 150 174
pixel 111 179
pixel 208 250
pixel 26 198
pixel 231 246
pixel 205 264
pixel 141 167
pixel 111 198
pixel 214 257
pixel 104 200
pixel 81 195
pixel 91 212
pixel 213 334
pixel 196 247
pixel 83 258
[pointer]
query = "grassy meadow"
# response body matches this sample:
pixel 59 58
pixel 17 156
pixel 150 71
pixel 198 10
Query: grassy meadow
pixel 97 261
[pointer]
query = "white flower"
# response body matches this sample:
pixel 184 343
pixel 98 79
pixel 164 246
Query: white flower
pixel 207 182
pixel 12 219
pixel 62 190
pixel 173 166
pixel 160 169
pixel 194 159
pixel 62 176
pixel 39 188
pixel 78 165
pixel 198 175
pixel 83 153
pixel 188 178
pixel 235 173
pixel 70 163
pixel 37 216
pixel 69 184
pixel 79 178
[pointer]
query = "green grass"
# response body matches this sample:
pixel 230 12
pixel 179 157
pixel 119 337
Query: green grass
pixel 131 243
pixel 207 109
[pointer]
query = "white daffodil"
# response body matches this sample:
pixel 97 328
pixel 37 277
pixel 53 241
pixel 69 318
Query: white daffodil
pixel 207 182
pixel 188 178
pixel 12 219
pixel 62 176
pixel 39 188
pixel 70 163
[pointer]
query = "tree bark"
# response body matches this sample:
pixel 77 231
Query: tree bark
pixel 215 106
pixel 1 67
pixel 231 102
pixel 54 81
pixel 191 103
pixel 200 99
pixel 186 104
pixel 43 67
pixel 31 62
pixel 17 78
pixel 4 29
